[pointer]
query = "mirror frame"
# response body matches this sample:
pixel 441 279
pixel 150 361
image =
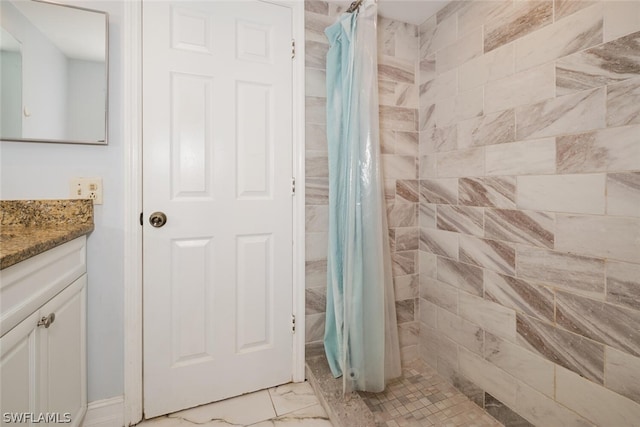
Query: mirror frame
pixel 106 100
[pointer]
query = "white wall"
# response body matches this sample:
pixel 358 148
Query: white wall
pixel 85 100
pixel 42 171
pixel 10 93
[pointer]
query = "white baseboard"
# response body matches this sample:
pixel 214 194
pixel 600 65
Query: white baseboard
pixel 105 413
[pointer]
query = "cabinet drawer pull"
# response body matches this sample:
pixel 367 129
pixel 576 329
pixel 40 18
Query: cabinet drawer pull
pixel 46 321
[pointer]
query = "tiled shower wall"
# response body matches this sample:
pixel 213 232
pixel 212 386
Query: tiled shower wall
pixel 398 53
pixel 529 207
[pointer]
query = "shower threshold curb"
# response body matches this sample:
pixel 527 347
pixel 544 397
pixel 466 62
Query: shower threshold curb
pixel 343 410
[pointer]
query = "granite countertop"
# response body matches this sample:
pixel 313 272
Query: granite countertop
pixel 30 227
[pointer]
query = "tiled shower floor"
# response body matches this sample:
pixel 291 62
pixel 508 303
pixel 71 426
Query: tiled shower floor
pixel 420 397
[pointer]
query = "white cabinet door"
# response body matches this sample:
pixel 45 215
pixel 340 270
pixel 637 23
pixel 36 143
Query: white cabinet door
pixel 63 354
pixel 19 356
pixel 217 124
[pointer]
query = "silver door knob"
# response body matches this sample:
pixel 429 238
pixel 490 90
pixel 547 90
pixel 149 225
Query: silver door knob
pixel 158 219
pixel 46 321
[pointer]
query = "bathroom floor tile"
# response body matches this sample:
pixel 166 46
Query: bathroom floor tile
pixel 292 404
pixel 292 397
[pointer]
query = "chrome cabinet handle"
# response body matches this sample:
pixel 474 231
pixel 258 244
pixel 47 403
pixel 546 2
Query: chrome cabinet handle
pixel 46 321
pixel 158 219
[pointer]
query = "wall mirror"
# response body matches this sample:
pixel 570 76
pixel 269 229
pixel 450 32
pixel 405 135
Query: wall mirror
pixel 53 73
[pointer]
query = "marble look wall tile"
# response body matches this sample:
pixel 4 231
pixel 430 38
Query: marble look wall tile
pixel 523 18
pixel 386 36
pixel 316 6
pixel 404 263
pixel 315 110
pixel 465 105
pixel 520 295
pixel 315 82
pixel 579 31
pixel 316 137
pixel 623 284
pixel 406 143
pixel 601 406
pixel 407 238
pixel 567 114
pixel 623 103
pixel 406 287
pixel 600 236
pixel 435 36
pixel 477 13
pixel 387 141
pixel 575 273
pixel 434 347
pixel 405 311
pixel 401 214
pixel 497 64
pixel 398 167
pixel 427 69
pixel 620 18
pixel 316 218
pixel 314 327
pixel 439 242
pixel 450 10
pixel 316 164
pixel 622 373
pixel 427 117
pixel 428 313
pixel 427 264
pixel 518 226
pixel 437 139
pixel 600 321
pixel 489 129
pixel 443 86
pixel 615 149
pixel 316 191
pixel 427 167
pixel 465 333
pixel 315 24
pixel 503 413
pixel 623 194
pixel 315 54
pixel 439 293
pixel 488 376
pixel 408 190
pixel 562 193
pixel 497 192
pixel 536 156
pixel 387 92
pixel 316 246
pixel 565 8
pixel 315 273
pixel 544 411
pixel 408 334
pixel 441 191
pixel 406 95
pixel 389 190
pixel 462 276
pixel 315 300
pixel 459 163
pixel 427 215
pixel 461 219
pixel 457 53
pixel 563 348
pixel 490 316
pixel 396 69
pixel 398 118
pixel 528 367
pixel 407 41
pixel 600 65
pixel 491 254
pixel 522 88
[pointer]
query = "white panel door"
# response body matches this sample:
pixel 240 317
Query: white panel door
pixel 217 128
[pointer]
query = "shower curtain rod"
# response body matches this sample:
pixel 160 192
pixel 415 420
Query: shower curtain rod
pixel 354 6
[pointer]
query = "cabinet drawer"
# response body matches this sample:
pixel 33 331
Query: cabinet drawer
pixel 26 286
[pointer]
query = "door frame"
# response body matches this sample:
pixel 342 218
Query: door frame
pixel 132 144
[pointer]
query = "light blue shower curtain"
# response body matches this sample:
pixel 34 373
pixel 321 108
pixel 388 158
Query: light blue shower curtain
pixel 361 336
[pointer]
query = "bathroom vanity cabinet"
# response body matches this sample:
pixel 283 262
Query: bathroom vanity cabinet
pixel 43 342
